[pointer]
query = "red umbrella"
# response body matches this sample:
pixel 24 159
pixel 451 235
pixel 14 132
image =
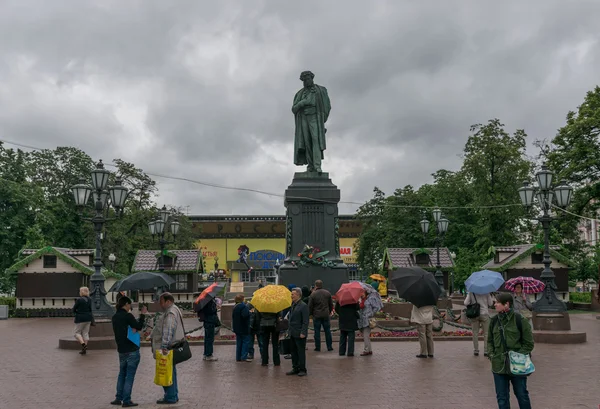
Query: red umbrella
pixel 349 293
pixel 530 284
pixel 208 294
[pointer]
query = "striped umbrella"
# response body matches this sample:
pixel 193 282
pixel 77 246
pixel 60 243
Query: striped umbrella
pixel 530 284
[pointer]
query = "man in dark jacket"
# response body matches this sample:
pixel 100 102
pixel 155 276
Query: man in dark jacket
pixel 240 318
pixel 298 332
pixel 320 306
pixel 129 352
pixel 348 319
pixel 254 331
pixel 209 314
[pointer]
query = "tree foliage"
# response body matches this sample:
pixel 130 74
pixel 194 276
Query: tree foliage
pixel 37 208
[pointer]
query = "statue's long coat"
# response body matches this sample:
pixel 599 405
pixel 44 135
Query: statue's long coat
pixel 323 108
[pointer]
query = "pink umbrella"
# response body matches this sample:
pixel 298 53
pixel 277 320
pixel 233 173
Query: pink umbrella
pixel 349 293
pixel 530 284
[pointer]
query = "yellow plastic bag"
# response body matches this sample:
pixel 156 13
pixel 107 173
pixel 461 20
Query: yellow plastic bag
pixel 164 369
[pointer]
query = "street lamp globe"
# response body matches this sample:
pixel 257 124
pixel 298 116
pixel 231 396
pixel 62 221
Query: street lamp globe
pixel 118 194
pixel 174 228
pixel 112 258
pixel 164 214
pixel 100 176
pixel 437 215
pixel 563 194
pixel 160 226
pixel 152 227
pixel 544 178
pixel 424 226
pixel 81 193
pixel 443 225
pixel 526 194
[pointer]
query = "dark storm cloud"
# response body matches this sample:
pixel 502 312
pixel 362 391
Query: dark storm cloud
pixel 203 89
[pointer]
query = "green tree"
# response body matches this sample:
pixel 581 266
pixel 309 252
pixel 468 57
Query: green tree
pixel 495 166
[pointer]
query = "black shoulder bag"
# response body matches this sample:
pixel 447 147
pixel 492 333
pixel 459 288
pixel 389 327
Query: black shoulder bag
pixel 181 350
pixel 473 309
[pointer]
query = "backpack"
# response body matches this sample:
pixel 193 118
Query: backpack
pixel 473 309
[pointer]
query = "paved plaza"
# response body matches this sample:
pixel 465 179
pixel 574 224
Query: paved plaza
pixel 36 374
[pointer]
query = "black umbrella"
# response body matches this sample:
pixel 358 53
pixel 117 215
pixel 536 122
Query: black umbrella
pixel 144 280
pixel 416 285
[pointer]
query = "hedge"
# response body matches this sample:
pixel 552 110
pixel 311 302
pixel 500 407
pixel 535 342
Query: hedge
pixel 581 297
pixel 11 302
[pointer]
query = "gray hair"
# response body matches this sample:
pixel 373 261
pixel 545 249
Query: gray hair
pixel 298 291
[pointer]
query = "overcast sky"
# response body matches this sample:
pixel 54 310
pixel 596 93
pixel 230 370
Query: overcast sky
pixel 203 89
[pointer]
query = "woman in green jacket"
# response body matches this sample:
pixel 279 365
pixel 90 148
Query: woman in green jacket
pixel 504 325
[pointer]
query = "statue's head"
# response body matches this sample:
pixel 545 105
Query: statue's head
pixel 307 78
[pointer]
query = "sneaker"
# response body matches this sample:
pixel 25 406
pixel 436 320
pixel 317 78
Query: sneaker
pixel 329 349
pixel 350 354
pixel 430 356
pixel 129 405
pixel 301 373
pixel 166 402
pixel 247 360
pixel 365 353
pixel 116 402
pixel 211 358
pixel 292 372
pixel 476 353
pixel 317 349
pixel 288 356
pixel 421 356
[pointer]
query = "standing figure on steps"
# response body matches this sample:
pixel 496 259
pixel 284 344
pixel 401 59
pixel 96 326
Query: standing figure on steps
pixel 311 109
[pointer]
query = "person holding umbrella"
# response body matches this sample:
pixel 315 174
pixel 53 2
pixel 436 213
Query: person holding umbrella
pixel 423 318
pixel 206 308
pixel 347 308
pixel 369 304
pixel 521 286
pixel 480 286
pixel 480 321
pixel 420 288
pixel 269 303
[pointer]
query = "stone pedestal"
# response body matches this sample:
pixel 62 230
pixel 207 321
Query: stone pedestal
pixel 555 328
pixel 101 337
pixel 311 203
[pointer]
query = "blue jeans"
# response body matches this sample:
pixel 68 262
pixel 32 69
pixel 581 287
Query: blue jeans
pixel 259 339
pixel 519 384
pixel 242 342
pixel 318 322
pixel 209 339
pixel 128 364
pixel 171 392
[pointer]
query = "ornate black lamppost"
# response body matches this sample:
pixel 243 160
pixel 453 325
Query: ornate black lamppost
pixel 441 224
pixel 101 193
pixel 562 193
pixel 157 228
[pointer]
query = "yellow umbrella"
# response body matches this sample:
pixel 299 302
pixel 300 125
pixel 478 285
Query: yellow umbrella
pixel 272 298
pixel 377 277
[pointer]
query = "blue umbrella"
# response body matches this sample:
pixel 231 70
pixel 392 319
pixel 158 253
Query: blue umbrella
pixel 484 281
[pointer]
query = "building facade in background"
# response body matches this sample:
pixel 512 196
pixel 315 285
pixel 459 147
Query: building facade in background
pixel 220 237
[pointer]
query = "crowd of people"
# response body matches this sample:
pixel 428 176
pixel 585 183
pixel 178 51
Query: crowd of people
pixel 509 330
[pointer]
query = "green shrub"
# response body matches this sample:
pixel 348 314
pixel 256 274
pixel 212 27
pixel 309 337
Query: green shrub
pixel 11 302
pixel 581 297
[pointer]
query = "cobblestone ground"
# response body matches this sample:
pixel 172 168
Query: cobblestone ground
pixel 36 374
